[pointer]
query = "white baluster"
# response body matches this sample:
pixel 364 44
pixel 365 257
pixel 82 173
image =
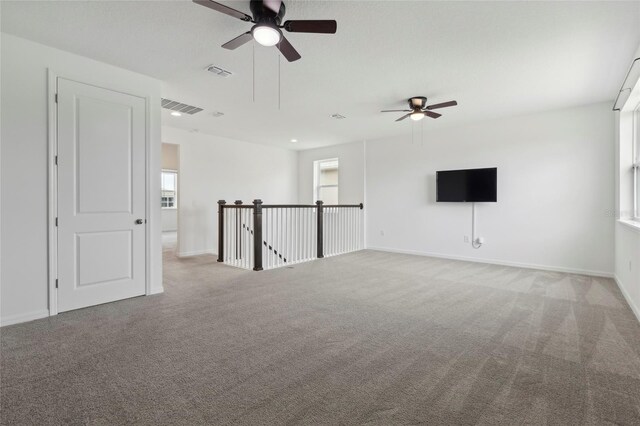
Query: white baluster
pixel 355 228
pixel 334 230
pixel 349 228
pixel 243 230
pixel 299 235
pixel 265 237
pixel 247 238
pixel 309 234
pixel 270 240
pixel 290 236
pixel 304 233
pixel 341 229
pixel 280 230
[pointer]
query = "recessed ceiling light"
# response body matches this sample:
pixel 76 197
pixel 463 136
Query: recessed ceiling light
pixel 176 114
pixel 294 140
pixel 337 116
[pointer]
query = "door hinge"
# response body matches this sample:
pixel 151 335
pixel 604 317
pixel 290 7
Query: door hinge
pixel 56 98
pixel 56 160
pixel 56 283
pixel 56 221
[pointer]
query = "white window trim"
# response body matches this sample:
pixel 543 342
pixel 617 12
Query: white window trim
pixel 636 164
pixel 175 202
pixel 316 177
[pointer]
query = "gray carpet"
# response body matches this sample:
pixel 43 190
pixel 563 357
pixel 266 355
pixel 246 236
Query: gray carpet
pixel 364 338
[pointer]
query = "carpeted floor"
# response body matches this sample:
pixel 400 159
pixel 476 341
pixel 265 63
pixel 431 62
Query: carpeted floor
pixel 364 338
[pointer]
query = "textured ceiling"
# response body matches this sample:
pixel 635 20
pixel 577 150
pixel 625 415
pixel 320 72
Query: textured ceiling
pixel 495 58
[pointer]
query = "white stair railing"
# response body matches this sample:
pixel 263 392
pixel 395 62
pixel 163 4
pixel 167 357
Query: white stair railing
pixel 258 236
pixel 343 231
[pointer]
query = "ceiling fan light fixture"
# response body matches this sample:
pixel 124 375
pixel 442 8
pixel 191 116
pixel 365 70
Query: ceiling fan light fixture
pixel 266 35
pixel 417 116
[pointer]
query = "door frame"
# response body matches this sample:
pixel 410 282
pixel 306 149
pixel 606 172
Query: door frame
pixel 52 178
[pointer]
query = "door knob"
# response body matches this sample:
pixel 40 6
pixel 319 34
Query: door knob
pixel 139 221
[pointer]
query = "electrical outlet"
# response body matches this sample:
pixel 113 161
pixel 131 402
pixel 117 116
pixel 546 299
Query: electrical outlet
pixel 466 238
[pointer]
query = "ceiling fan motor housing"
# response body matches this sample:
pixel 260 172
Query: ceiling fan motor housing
pixel 417 102
pixel 262 14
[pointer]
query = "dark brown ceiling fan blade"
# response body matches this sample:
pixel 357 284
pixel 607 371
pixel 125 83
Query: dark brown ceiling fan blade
pixel 404 116
pixel 432 114
pixel 224 9
pixel 442 105
pixel 396 110
pixel 238 41
pixel 322 27
pixel 287 50
pixel 273 4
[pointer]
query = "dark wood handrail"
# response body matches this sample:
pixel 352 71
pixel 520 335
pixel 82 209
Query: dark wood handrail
pixel 292 206
pixel 359 206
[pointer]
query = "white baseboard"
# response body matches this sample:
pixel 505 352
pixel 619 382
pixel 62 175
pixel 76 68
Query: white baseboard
pixel 30 316
pixel 632 305
pixel 195 253
pixel 498 262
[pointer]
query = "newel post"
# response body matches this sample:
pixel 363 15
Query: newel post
pixel 257 235
pixel 221 204
pixel 320 236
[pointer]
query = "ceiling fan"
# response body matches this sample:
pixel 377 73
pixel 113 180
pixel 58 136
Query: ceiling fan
pixel 267 17
pixel 419 108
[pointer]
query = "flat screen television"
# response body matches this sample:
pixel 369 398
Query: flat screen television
pixel 471 185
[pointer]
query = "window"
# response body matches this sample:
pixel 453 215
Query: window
pixel 325 181
pixel 169 189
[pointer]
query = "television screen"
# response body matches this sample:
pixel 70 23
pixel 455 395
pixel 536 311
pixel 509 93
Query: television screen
pixel 472 185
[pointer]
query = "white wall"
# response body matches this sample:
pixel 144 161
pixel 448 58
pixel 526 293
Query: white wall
pixel 350 173
pixel 215 168
pixel 555 181
pixel 170 156
pixel 169 220
pixel 24 164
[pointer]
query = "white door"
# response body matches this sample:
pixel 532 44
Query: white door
pixel 101 195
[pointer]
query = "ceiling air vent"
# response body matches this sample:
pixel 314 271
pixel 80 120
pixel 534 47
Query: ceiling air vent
pixel 179 107
pixel 218 71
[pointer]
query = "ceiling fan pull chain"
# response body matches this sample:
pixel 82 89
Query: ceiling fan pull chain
pixel 279 87
pixel 254 72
